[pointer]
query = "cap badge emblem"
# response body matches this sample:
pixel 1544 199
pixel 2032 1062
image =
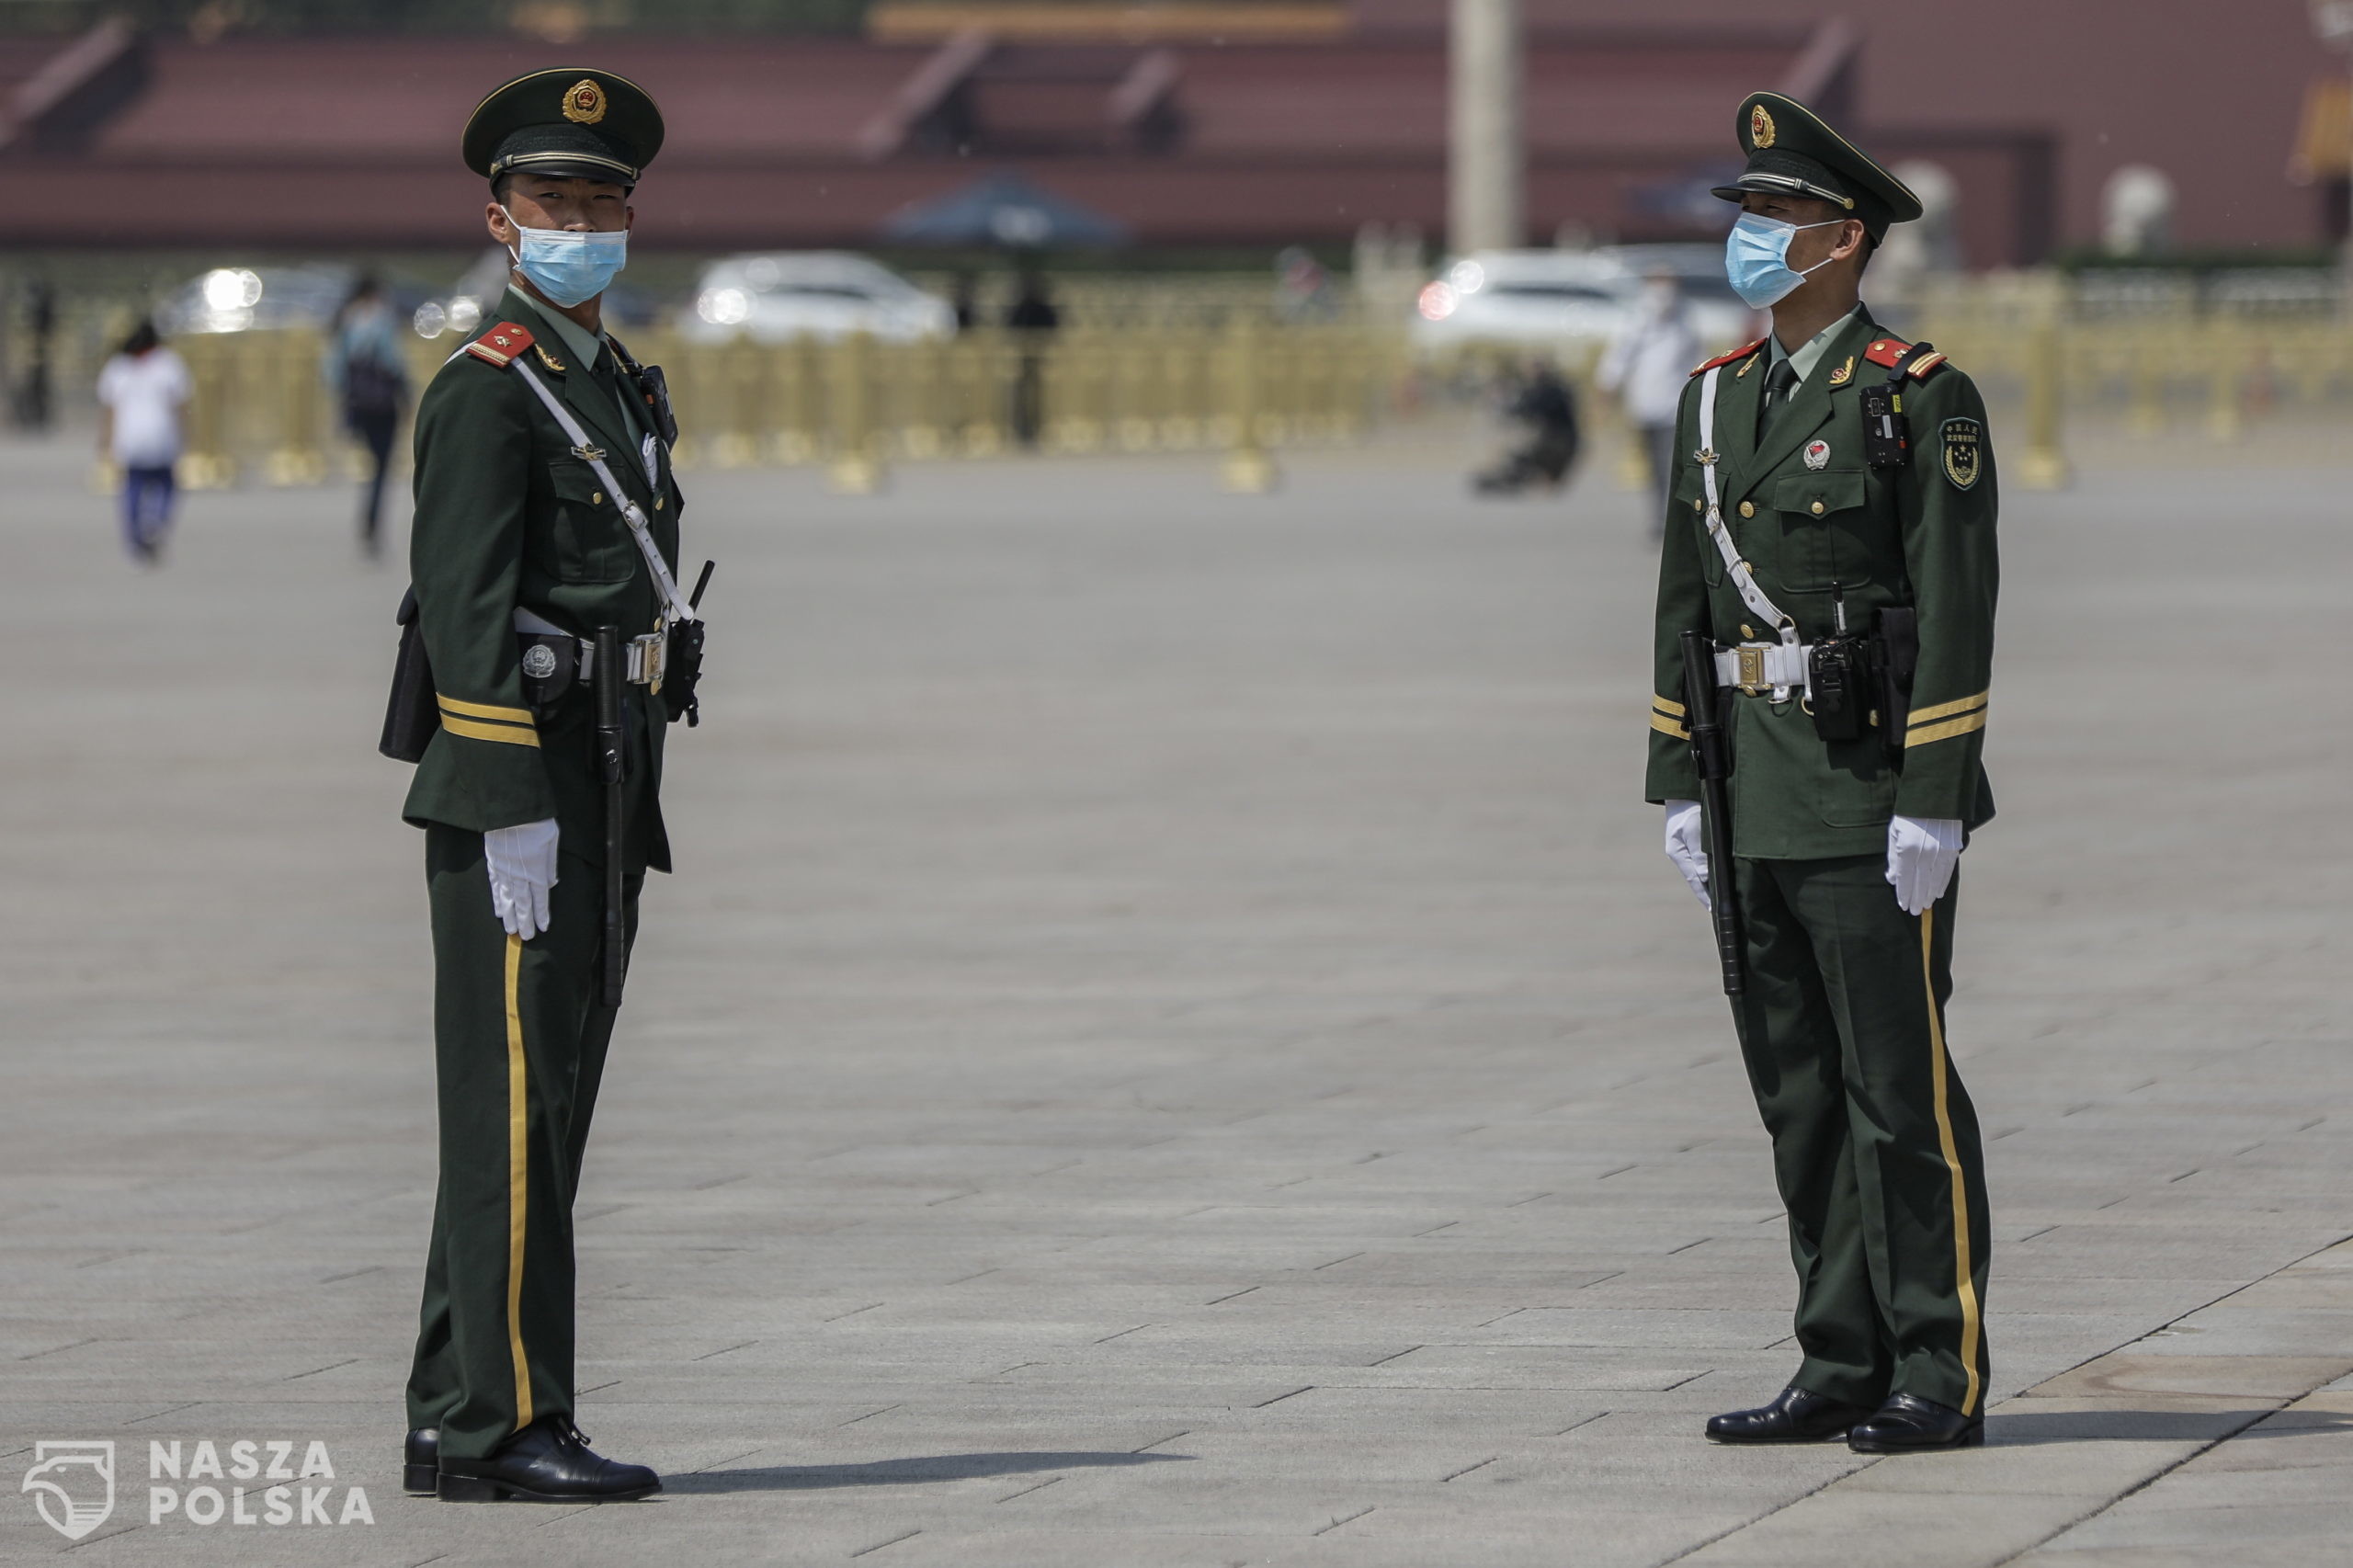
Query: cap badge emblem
pixel 1817 455
pixel 539 661
pixel 584 102
pixel 1760 126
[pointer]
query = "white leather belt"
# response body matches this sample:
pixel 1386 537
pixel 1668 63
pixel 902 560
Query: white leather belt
pixel 1756 667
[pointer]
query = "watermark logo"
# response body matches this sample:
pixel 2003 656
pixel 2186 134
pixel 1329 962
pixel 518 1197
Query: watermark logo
pixel 73 1485
pixel 293 1483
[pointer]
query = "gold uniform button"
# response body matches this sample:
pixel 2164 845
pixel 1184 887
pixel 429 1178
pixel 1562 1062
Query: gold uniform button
pixel 1698 505
pixel 1817 508
pixel 1747 630
pixel 1748 508
pixel 596 498
pixel 657 503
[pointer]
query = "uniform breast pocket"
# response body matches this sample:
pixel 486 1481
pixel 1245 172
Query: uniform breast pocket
pixel 592 543
pixel 1820 515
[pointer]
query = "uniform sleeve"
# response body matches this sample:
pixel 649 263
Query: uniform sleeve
pixel 1949 550
pixel 1682 604
pixel 474 439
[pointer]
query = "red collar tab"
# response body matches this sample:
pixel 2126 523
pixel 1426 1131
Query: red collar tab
pixel 1741 353
pixel 501 343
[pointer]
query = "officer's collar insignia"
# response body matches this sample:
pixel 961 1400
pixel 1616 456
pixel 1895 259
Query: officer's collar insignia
pixel 549 361
pixel 584 102
pixel 1839 377
pixel 1760 126
pixel 1817 455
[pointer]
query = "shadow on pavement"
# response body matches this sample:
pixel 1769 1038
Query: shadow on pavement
pixel 897 1472
pixel 2016 1429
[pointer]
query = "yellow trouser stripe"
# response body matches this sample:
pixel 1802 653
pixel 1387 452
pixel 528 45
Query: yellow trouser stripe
pixel 1667 726
pixel 1945 709
pixel 519 1173
pixel 1964 1277
pixel 507 732
pixel 1965 724
pixel 1664 706
pixel 484 710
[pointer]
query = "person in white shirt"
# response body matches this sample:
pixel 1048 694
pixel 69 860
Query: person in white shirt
pixel 142 392
pixel 1645 368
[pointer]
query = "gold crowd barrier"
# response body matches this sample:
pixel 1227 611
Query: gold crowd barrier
pixel 263 413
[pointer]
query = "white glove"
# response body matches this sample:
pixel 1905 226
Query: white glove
pixel 1688 847
pixel 522 869
pixel 1921 855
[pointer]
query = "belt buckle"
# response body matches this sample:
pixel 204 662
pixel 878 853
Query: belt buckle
pixel 1752 669
pixel 652 652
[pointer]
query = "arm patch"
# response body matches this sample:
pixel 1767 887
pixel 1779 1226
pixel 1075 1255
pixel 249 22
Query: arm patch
pixel 1960 446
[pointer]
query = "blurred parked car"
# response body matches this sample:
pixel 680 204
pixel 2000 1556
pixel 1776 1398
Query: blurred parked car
pixel 1549 299
pixel 824 294
pixel 246 298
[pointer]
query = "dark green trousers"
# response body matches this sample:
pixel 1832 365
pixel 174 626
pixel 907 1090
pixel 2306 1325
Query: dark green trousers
pixel 1875 1143
pixel 519 1041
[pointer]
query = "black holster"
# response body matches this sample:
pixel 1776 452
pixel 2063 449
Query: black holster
pixel 413 711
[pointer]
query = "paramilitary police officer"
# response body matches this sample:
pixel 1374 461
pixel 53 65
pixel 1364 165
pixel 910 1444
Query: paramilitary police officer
pixel 1830 531
pixel 546 512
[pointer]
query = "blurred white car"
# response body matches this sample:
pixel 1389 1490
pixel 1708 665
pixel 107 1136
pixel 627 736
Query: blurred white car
pixel 824 294
pixel 247 299
pixel 1549 299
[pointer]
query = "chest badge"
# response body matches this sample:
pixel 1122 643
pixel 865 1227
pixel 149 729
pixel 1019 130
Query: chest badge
pixel 539 661
pixel 1843 373
pixel 1817 455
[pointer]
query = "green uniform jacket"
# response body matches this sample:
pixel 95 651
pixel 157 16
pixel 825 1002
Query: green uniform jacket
pixel 507 516
pixel 1921 535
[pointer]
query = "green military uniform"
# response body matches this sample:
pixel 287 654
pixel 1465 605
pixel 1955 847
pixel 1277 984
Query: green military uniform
pixel 1876 1146
pixel 511 517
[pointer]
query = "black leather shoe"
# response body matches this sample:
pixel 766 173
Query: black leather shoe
pixel 1795 1416
pixel 1907 1424
pixel 420 1459
pixel 548 1461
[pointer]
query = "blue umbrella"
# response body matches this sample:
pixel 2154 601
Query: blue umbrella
pixel 1003 209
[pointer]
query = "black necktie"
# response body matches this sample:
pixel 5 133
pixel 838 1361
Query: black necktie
pixel 1780 381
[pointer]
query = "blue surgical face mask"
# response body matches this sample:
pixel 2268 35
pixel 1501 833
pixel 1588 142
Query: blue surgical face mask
pixel 569 265
pixel 1756 258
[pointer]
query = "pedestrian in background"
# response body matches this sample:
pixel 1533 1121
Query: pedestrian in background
pixel 1645 368
pixel 1033 319
pixel 365 368
pixel 141 394
pixel 1544 406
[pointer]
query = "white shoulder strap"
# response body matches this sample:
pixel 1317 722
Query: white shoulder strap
pixel 673 607
pixel 1742 577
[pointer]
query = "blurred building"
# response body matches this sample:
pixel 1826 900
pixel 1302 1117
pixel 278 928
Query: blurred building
pixel 1244 123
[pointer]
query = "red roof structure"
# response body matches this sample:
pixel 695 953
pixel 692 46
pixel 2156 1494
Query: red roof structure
pixel 114 139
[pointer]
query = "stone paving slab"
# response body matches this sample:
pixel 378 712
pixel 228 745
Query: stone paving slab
pixel 1173 1042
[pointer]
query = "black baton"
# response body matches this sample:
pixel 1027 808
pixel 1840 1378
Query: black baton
pixel 609 676
pixel 1709 754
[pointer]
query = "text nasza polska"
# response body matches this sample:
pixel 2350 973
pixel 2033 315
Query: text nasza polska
pixel 275 1505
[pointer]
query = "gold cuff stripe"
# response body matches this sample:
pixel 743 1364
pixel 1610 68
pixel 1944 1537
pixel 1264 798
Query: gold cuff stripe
pixel 518 1177
pixel 1964 1277
pixel 507 732
pixel 1674 710
pixel 1945 710
pixel 1963 725
pixel 483 710
pixel 1667 726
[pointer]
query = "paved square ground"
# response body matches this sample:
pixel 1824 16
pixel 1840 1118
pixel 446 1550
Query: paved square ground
pixel 1174 1042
